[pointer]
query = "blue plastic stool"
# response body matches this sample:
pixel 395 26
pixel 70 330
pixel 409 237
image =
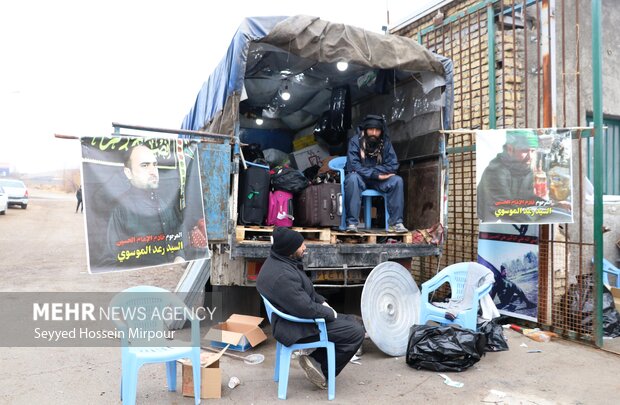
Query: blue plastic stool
pixel 338 164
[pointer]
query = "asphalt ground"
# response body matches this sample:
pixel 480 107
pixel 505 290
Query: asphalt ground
pixel 43 249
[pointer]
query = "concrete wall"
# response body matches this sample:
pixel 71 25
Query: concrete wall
pixel 611 220
pixel 578 91
pixel 611 58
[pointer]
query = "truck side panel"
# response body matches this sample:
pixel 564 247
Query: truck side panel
pixel 215 161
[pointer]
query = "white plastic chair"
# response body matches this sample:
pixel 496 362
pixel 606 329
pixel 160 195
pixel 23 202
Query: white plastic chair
pixel 610 269
pixel 468 295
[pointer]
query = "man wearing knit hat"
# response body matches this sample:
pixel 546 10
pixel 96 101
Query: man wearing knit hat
pixel 372 163
pixel 284 283
pixel 509 175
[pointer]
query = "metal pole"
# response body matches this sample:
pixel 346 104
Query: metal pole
pixel 116 126
pixel 491 50
pixel 597 98
pixel 548 39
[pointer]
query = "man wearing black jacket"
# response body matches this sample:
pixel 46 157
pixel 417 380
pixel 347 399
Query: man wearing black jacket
pixel 144 229
pixel 372 163
pixel 284 283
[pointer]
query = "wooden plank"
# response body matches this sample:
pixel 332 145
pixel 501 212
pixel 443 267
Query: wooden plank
pixel 369 237
pixel 261 234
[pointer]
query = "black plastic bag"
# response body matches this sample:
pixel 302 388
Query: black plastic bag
pixel 494 333
pixel 444 348
pixel 311 172
pixel 252 152
pixel 331 128
pixel 384 83
pixel 340 111
pixel 288 179
pixel 581 307
pixel 324 134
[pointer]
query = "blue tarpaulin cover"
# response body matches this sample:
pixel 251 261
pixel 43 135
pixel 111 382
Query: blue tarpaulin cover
pixel 228 75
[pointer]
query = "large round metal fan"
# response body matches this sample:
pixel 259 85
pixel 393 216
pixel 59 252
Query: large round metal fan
pixel 390 306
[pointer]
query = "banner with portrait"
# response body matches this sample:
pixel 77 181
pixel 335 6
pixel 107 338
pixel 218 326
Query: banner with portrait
pixel 143 202
pixel 511 253
pixel 524 176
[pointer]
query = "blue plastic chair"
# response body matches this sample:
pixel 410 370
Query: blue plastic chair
pixel 610 269
pixel 283 353
pixel 455 275
pixel 136 352
pixel 339 164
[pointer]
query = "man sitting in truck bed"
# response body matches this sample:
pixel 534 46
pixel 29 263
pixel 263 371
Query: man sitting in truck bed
pixel 372 163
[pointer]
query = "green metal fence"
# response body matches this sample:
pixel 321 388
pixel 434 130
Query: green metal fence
pixel 611 156
pixel 513 68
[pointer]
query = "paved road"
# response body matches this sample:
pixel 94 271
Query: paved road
pixel 42 249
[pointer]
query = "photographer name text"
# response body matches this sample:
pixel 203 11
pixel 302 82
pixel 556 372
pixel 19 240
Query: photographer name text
pixel 86 333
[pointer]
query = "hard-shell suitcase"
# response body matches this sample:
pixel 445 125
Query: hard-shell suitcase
pixel 320 205
pixel 280 208
pixel 306 211
pixel 254 194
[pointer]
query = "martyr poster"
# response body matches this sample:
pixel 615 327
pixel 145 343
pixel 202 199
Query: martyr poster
pixel 524 176
pixel 143 202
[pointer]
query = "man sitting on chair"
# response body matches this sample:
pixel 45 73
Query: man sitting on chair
pixel 372 163
pixel 284 283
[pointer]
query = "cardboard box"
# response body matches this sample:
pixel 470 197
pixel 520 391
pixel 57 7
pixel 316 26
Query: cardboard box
pixel 241 332
pixel 303 141
pixel 615 292
pixel 210 376
pixel 306 157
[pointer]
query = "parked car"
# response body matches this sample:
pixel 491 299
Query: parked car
pixel 4 201
pixel 17 192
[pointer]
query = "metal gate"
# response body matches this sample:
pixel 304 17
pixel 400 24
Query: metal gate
pixel 516 64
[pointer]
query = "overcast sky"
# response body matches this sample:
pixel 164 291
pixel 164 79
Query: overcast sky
pixel 74 67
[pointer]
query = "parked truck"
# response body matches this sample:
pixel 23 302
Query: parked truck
pixel 242 99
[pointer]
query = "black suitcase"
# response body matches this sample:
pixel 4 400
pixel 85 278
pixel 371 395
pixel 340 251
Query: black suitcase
pixel 254 194
pixel 319 205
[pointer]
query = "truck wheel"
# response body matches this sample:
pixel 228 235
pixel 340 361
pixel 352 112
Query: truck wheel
pixel 24 206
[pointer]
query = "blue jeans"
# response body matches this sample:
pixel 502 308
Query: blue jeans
pixel 354 185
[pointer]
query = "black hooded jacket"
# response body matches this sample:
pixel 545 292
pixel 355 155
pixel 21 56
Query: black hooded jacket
pixel 284 283
pixel 369 168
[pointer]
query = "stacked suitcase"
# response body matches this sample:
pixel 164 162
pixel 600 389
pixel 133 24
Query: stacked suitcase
pixel 319 205
pixel 254 194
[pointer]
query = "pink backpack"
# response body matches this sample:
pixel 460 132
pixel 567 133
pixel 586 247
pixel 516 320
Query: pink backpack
pixel 280 208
